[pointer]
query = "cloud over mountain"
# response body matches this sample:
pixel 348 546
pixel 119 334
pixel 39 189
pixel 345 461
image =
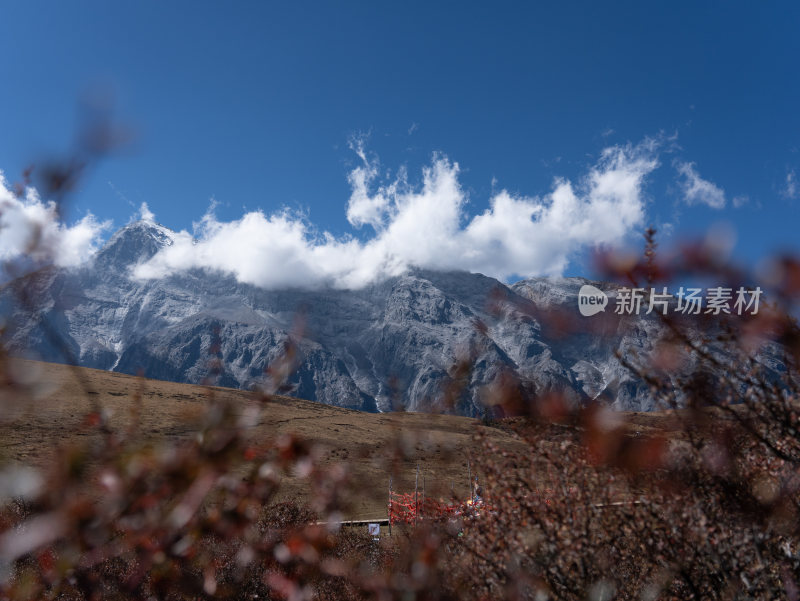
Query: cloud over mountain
pixel 423 226
pixel 32 228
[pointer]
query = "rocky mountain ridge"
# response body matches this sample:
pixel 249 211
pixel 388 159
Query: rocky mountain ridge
pixel 392 344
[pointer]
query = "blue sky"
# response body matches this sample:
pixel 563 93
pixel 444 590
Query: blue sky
pixel 262 106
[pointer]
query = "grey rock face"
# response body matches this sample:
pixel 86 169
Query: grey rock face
pixel 393 344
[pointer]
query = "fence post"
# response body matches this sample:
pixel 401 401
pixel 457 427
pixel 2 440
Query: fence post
pixel 416 502
pixel 389 507
pixel 469 478
pixel 423 494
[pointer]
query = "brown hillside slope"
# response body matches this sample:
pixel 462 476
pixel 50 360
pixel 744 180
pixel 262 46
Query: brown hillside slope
pixel 441 444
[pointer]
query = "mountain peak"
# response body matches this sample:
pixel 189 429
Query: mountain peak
pixel 136 242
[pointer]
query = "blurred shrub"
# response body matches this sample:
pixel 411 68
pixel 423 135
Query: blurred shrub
pixel 594 508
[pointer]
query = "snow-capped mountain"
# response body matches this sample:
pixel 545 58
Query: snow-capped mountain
pixel 391 344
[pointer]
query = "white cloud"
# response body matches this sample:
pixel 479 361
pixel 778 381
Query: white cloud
pixel 698 190
pixel 364 208
pixel 145 214
pixel 31 229
pixel 667 229
pixel 791 189
pixel 425 226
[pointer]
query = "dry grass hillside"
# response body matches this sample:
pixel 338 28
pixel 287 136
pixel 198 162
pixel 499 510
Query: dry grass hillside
pixel 441 444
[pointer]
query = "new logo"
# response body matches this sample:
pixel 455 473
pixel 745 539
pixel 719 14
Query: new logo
pixel 591 300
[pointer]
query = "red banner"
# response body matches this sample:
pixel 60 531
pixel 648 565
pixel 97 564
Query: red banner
pixel 405 509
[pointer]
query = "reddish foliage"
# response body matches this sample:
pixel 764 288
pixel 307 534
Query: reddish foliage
pixel 707 509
